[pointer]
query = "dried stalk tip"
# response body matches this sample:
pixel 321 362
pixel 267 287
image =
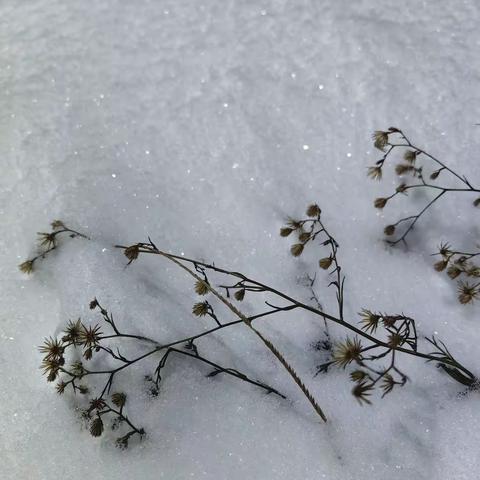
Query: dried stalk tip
pixel 26 267
pixel 313 210
pixel 200 309
pixel 325 262
pixel 380 140
pixel 401 188
pixel 380 202
pixel 119 399
pixel 440 265
pixel 389 230
pixel 131 253
pixel 285 231
pixel 410 156
pixel 296 249
pixel 239 294
pixel 96 427
pixel 375 173
pixel 201 287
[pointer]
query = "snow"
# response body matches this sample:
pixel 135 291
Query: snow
pixel 204 125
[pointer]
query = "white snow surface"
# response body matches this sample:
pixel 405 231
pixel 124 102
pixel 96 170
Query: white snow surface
pixel 204 125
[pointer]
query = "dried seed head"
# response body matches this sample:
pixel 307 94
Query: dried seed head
pixel 410 156
pixel 93 304
pixel 467 293
pixel 72 332
pixel 358 375
pixel 473 271
pixel 440 265
pixel 47 240
pixel 325 262
pixel 77 369
pixel 380 139
pixel 239 294
pixel 362 391
pixel 387 384
pixel 347 352
pixel 26 267
pixel 380 202
pixel 403 168
pixel 296 249
pixel 304 237
pixel 395 340
pixel 285 231
pixel 313 210
pixel 51 368
pixel 200 309
pixel 96 404
pixel 389 230
pixel 132 253
pixel 90 336
pixel 201 287
pixel 453 272
pixel 375 173
pixel 60 387
pixel 96 427
pixel 52 348
pixel 370 320
pixel 119 399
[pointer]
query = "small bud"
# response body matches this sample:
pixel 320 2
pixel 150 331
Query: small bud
pixel 239 294
pixel 201 287
pixel 119 399
pixel 93 304
pixel 131 253
pixel 313 210
pixel 200 309
pixel 285 231
pixel 476 202
pixel 296 249
pixel 440 265
pixel 87 354
pixel 325 262
pixel 96 427
pixel 435 174
pixel 380 202
pixel 389 230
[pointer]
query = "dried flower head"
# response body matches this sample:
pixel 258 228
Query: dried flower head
pixel 60 387
pixel 72 332
pixel 380 202
pixel 131 253
pixel 440 265
pixel 389 230
pixel 96 427
pixel 313 210
pixel 375 173
pixel 358 375
pixel 380 139
pixel 52 348
pixel 57 224
pixel 347 352
pixel 77 369
pixel 51 368
pixel 201 287
pixel 90 336
pixel 200 309
pixel 444 249
pixel 26 267
pixel 387 384
pixel 285 231
pixel 96 404
pixel 369 320
pixel 304 237
pixel 453 272
pixel 410 156
pixel 362 391
pixel 119 399
pixel 47 240
pixel 239 294
pixel 296 249
pixel 325 262
pixel 467 293
pixel 403 168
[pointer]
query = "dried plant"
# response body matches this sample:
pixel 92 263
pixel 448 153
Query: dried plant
pixel 419 169
pixel 48 242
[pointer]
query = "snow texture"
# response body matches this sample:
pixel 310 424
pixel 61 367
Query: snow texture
pixel 204 125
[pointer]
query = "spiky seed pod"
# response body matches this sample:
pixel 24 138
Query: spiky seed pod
pixel 380 140
pixel 453 272
pixel 389 230
pixel 200 309
pixel 119 399
pixel 358 375
pixel 72 332
pixel 362 391
pixel 296 249
pixel 57 224
pixel 467 293
pixel 476 202
pixel 239 294
pixel 410 156
pixel 440 265
pixel 90 336
pixel 26 267
pixel 403 168
pixel 369 320
pixel 313 210
pixel 132 252
pixel 304 237
pixel 52 348
pixel 325 263
pixel 401 188
pixel 380 202
pixel 435 174
pixel 285 231
pixel 375 173
pixel 201 287
pixel 96 427
pixel 347 352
